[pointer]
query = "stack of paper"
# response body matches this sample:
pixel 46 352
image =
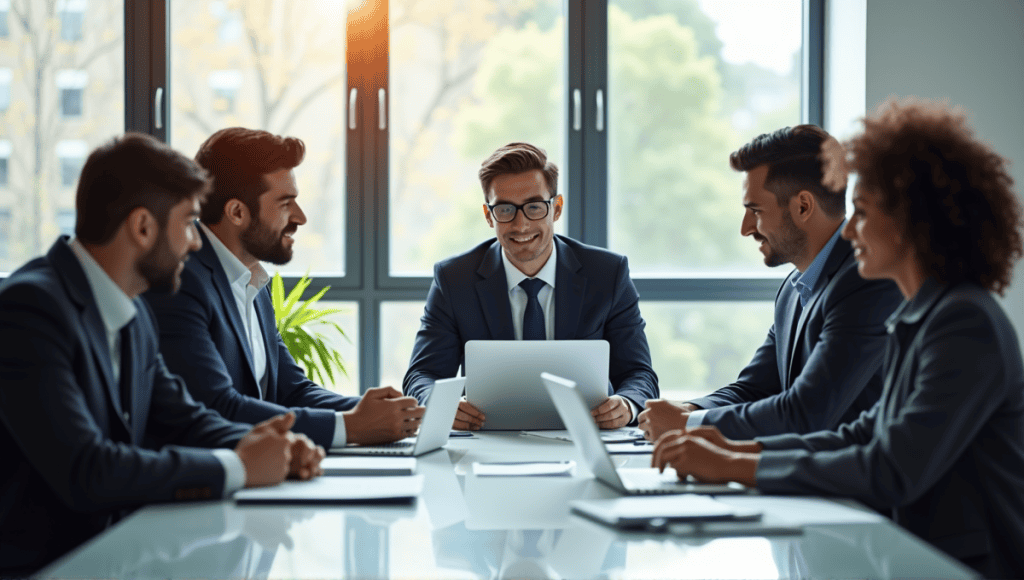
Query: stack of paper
pixel 368 465
pixel 336 490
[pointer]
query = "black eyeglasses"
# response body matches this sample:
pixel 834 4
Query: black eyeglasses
pixel 533 210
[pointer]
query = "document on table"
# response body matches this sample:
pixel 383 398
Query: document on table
pixel 523 468
pixel 336 490
pixel 368 465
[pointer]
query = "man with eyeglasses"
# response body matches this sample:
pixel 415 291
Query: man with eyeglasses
pixel 530 284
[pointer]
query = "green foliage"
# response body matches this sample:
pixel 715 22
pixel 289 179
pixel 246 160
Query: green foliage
pixel 294 322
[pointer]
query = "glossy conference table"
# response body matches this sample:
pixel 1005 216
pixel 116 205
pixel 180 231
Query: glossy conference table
pixel 465 526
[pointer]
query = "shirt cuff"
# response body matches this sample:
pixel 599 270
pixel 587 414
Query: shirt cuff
pixel 634 408
pixel 234 470
pixel 340 435
pixel 696 419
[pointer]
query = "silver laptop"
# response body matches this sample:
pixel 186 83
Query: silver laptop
pixel 630 481
pixel 442 404
pixel 503 379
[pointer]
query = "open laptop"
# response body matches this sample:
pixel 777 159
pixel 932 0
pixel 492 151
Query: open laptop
pixel 503 379
pixel 630 481
pixel 442 404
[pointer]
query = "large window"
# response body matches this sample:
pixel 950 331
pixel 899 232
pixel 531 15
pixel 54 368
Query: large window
pixel 399 101
pixel 47 85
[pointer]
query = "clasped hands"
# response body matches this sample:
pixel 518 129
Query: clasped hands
pixel 612 413
pixel 270 452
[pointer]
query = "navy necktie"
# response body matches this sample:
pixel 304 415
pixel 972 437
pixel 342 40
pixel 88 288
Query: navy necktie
pixel 533 317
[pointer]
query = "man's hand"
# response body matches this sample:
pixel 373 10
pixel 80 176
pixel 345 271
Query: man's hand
pixel 660 416
pixel 383 415
pixel 266 451
pixel 712 435
pixel 705 461
pixel 613 413
pixel 306 458
pixel 468 417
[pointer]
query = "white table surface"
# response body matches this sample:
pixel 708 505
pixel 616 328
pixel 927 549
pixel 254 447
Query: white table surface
pixel 465 526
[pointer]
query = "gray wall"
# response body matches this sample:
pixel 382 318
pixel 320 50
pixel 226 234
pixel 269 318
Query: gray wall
pixel 969 52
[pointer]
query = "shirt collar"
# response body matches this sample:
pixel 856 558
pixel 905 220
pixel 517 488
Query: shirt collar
pixel 547 272
pixel 911 311
pixel 238 275
pixel 806 283
pixel 116 308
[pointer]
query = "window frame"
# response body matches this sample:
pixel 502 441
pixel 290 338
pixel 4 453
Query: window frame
pixel 367 280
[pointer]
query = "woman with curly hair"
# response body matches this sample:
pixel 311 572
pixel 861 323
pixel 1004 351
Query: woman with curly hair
pixel 943 449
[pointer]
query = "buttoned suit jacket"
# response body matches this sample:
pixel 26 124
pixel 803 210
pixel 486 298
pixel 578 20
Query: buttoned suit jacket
pixel 944 446
pixel 820 365
pixel 594 299
pixel 73 462
pixel 203 339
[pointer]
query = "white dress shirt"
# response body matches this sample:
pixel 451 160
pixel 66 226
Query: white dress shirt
pixel 116 311
pixel 517 300
pixel 245 285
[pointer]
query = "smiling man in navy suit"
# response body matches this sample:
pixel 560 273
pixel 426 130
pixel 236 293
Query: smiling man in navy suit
pixel 821 363
pixel 92 424
pixel 530 284
pixel 219 331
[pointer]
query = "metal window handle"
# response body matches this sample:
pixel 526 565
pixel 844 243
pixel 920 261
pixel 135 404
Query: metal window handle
pixel 382 120
pixel 158 108
pixel 352 108
pixel 600 111
pixel 577 110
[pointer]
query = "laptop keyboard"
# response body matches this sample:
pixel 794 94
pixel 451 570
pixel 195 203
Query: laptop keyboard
pixel 396 445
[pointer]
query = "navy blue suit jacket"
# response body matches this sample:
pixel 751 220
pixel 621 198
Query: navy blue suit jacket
pixel 203 339
pixel 818 369
pixel 71 461
pixel 944 446
pixel 594 299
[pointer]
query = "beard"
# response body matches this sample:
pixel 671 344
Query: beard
pixel 788 246
pixel 267 245
pixel 161 268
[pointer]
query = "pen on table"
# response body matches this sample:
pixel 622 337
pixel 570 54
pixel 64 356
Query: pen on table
pixel 641 442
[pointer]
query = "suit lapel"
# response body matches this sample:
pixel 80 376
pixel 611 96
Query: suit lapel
pixel 208 257
pixel 785 327
pixel 839 253
pixel 131 370
pixel 569 288
pixel 492 291
pixel 76 285
pixel 268 325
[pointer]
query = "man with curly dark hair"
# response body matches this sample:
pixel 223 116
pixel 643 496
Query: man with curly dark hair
pixel 944 447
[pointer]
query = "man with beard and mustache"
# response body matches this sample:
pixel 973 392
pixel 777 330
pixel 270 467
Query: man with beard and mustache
pixel 530 284
pixel 92 424
pixel 219 331
pixel 821 363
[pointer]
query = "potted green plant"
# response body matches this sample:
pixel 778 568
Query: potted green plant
pixel 296 321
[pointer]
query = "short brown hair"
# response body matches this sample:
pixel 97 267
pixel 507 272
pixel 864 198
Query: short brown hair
pixel 237 159
pixel 518 158
pixel 951 193
pixel 792 157
pixel 128 172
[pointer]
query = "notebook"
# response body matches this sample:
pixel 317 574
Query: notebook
pixel 336 490
pixel 503 379
pixel 630 481
pixel 442 403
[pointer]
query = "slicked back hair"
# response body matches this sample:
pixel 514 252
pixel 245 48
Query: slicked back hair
pixel 792 157
pixel 128 172
pixel 518 158
pixel 237 159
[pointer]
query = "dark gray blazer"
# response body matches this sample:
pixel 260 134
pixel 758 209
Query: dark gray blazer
pixel 817 369
pixel 944 446
pixel 594 299
pixel 71 462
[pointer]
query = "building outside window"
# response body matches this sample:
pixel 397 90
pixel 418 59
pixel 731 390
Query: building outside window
pixel 5 89
pixel 5 162
pixel 71 85
pixel 5 232
pixel 71 14
pixel 5 8
pixel 66 221
pixel 71 155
